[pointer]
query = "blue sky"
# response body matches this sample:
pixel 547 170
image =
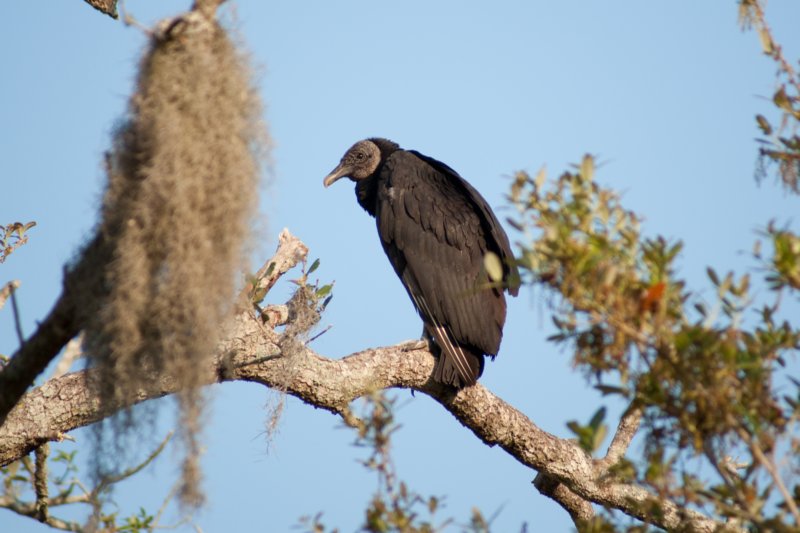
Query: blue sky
pixel 664 93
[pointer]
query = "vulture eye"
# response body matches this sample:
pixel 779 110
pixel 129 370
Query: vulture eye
pixel 360 156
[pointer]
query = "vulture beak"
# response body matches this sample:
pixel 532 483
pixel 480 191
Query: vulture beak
pixel 339 172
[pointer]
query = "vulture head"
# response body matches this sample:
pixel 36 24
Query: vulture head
pixel 358 163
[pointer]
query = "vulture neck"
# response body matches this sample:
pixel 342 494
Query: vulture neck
pixel 367 189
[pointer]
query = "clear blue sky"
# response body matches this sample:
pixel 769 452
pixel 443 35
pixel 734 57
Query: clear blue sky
pixel 664 93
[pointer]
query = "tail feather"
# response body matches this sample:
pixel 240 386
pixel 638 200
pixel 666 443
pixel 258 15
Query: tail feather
pixel 448 372
pixel 456 365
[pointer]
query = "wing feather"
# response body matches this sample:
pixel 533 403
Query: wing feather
pixel 435 233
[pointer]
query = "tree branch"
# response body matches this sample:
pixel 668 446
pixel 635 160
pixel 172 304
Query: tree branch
pixel 627 428
pixel 61 325
pixel 68 402
pixel 6 291
pixel 40 482
pixel 580 510
pixel 253 352
pixel 769 466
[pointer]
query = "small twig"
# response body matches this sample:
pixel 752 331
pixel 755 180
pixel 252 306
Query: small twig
pixel 318 335
pixel 157 517
pixel 130 20
pixel 125 474
pixel 776 50
pixel 352 420
pixel 6 291
pixel 257 361
pixel 626 430
pixel 769 466
pixel 40 508
pixel 94 495
pixel 40 482
pixel 27 464
pixel 743 508
pixel 65 498
pixel 291 251
pixel 30 511
pixel 17 319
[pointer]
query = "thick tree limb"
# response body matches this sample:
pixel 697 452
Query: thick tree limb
pixel 254 352
pixel 68 402
pixel 61 325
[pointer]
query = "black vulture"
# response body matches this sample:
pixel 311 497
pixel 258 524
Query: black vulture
pixel 436 229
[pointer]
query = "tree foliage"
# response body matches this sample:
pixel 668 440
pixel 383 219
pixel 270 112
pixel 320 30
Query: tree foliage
pixel 709 379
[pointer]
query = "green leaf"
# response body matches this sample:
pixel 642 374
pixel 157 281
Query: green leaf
pixel 576 428
pixel 599 437
pixel 765 126
pixel 514 224
pixel 313 267
pixel 598 418
pixel 782 100
pixel 433 503
pixel 611 389
pixel 323 291
pixel 540 178
pixel 766 41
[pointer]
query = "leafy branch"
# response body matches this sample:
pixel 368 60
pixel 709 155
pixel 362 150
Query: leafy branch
pixel 12 236
pixel 781 144
pixel 36 488
pixel 701 375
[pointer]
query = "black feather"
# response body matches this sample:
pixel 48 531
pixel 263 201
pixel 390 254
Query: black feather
pixel 436 229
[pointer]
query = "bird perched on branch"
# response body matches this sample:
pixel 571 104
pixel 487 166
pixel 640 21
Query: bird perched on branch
pixel 446 246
